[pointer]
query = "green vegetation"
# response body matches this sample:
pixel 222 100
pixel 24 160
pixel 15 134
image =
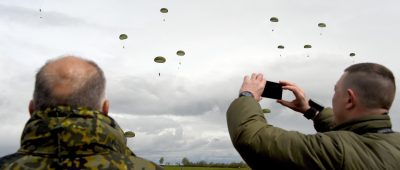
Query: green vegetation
pixel 186 164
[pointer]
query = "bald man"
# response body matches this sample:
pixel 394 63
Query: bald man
pixel 355 134
pixel 69 127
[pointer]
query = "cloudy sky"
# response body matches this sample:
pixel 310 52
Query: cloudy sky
pixel 182 112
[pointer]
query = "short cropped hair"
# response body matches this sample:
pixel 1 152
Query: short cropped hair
pixel 374 83
pixel 89 94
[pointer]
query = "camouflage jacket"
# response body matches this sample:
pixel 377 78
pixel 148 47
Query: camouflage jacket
pixel 69 138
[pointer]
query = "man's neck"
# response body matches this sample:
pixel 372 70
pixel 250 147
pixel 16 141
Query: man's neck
pixel 362 112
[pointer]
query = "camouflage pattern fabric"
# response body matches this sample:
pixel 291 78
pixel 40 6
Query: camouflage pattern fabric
pixel 73 138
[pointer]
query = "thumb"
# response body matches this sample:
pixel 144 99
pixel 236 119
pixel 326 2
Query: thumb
pixel 284 103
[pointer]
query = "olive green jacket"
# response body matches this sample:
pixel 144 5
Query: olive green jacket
pixel 69 138
pixel 352 145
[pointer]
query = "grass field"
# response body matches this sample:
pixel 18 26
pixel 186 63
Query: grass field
pixel 200 168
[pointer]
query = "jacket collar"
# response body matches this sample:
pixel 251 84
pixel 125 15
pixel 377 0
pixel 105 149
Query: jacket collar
pixel 65 130
pixel 367 124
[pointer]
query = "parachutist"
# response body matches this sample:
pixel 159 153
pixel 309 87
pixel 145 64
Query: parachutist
pixel 164 11
pixel 321 25
pixel 273 20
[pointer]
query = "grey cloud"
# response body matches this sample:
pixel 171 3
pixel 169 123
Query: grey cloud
pixel 11 129
pixel 174 137
pixel 174 96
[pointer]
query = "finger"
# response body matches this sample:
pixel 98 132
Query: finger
pixel 253 76
pixel 263 82
pixel 285 103
pixel 296 91
pixel 286 83
pixel 246 78
pixel 290 87
pixel 259 77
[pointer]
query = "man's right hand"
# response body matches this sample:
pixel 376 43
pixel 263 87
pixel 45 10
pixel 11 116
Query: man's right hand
pixel 300 104
pixel 254 84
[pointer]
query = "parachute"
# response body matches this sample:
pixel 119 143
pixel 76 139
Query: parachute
pixel 129 134
pixel 281 47
pixel 160 59
pixel 123 36
pixel 273 20
pixel 307 46
pixel 180 53
pixel 164 10
pixel 41 9
pixel 322 26
pixel 266 110
pixel 352 54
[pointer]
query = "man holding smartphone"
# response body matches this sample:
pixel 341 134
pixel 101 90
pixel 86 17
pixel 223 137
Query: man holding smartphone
pixel 355 134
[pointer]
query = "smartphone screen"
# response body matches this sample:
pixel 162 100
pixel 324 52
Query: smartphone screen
pixel 272 90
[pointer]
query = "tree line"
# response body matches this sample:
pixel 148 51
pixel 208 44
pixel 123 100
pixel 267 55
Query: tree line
pixel 186 162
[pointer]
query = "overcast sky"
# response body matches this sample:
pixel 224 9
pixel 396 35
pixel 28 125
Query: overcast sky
pixel 182 112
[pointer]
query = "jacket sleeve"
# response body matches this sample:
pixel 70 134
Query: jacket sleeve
pixel 323 122
pixel 261 145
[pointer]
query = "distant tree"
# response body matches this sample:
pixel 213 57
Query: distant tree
pixel 202 164
pixel 161 160
pixel 185 161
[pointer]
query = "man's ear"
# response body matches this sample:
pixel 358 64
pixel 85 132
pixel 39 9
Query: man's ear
pixel 105 107
pixel 31 107
pixel 351 99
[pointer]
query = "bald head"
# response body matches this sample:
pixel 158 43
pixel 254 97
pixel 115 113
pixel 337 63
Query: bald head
pixel 69 81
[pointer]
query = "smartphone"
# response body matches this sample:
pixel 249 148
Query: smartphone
pixel 272 90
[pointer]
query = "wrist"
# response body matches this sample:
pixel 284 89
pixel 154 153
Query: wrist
pixel 246 93
pixel 311 113
pixel 313 110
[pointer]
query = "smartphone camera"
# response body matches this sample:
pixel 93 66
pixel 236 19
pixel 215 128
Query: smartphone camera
pixel 272 90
